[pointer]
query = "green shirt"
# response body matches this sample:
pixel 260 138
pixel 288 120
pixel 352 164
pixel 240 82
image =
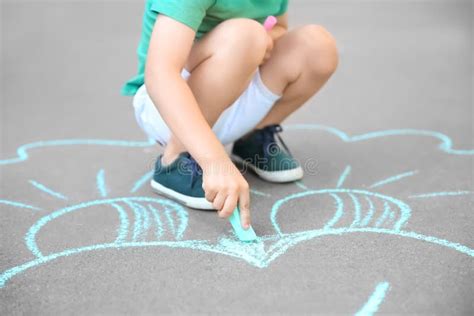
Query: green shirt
pixel 200 15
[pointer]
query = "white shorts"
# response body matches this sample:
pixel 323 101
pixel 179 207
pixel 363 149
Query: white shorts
pixel 236 121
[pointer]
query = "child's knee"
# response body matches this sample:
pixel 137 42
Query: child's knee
pixel 321 47
pixel 244 38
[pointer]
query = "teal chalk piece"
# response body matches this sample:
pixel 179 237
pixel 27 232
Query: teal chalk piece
pixel 243 235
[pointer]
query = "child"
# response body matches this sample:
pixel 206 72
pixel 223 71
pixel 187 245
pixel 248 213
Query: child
pixel 211 63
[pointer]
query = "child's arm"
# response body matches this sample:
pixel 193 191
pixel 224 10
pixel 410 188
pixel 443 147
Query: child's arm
pixel 169 47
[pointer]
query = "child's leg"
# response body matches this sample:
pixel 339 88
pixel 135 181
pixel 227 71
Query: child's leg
pixel 222 64
pixel 301 63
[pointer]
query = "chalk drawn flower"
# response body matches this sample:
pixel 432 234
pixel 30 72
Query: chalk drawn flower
pixel 145 221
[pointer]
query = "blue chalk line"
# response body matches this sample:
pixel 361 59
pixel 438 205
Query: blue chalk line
pixel 252 253
pixel 393 179
pixel 405 211
pixel 158 223
pixel 445 146
pixel 144 179
pixel 301 185
pixel 137 227
pixel 19 205
pixel 124 223
pixel 22 151
pixel 146 219
pixel 386 212
pixel 8 274
pixel 339 211
pixel 290 240
pixel 176 230
pixel 343 176
pixel 357 210
pixel 438 194
pixel 144 224
pixel 100 178
pixel 170 220
pixel 374 301
pixel 30 237
pixel 370 212
pixel 259 193
pixel 391 217
pixel 47 190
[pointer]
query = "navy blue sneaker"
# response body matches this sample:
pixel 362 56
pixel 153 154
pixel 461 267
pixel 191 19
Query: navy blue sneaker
pixel 181 181
pixel 260 152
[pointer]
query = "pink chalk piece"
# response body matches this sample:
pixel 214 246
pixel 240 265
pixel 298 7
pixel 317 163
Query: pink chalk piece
pixel 270 22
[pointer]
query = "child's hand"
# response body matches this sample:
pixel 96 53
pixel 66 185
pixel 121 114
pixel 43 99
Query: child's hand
pixel 226 188
pixel 270 45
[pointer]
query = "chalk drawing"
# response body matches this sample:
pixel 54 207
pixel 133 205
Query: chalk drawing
pixel 374 301
pixel 403 209
pixel 260 254
pixel 101 183
pixel 343 176
pixel 393 179
pixel 445 146
pixel 159 224
pixel 144 179
pixel 19 205
pixel 386 213
pixel 301 185
pixel 22 151
pixel 146 222
pixel 137 227
pixel 437 194
pixel 47 190
pixel 339 211
pixel 259 193
pixel 122 230
pixel 370 212
pixel 357 210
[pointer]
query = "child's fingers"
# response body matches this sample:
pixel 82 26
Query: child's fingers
pixel 244 206
pixel 210 195
pixel 218 202
pixel 229 205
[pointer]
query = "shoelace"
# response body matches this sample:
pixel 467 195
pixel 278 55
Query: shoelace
pixel 270 146
pixel 190 165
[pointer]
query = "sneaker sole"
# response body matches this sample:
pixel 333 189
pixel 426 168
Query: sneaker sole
pixel 272 176
pixel 189 201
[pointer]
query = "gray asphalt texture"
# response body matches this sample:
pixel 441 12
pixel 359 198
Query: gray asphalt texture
pixel 404 65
